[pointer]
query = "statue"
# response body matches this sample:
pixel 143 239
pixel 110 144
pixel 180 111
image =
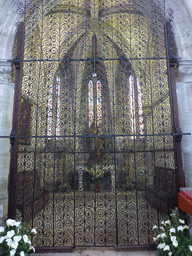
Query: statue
pixel 95 145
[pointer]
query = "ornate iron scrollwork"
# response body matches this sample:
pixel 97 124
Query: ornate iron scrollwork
pixel 90 155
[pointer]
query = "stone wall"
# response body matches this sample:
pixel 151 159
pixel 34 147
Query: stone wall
pixel 8 21
pixel 6 102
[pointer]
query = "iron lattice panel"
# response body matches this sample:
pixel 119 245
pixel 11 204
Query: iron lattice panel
pixel 94 122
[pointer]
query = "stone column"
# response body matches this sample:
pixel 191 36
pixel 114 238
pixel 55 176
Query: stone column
pixel 184 94
pixel 6 106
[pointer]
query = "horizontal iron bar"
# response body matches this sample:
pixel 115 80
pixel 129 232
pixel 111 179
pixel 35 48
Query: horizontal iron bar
pixel 95 136
pixel 9 60
pixel 86 152
pixel 91 60
pixel 179 134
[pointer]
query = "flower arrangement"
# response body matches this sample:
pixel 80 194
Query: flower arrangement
pixel 15 239
pixel 96 174
pixel 173 236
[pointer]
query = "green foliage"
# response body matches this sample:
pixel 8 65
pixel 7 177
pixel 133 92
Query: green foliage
pixel 95 173
pixel 15 239
pixel 173 236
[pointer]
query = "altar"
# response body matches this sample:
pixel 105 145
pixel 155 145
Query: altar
pixel 107 179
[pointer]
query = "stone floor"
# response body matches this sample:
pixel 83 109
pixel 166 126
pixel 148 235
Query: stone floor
pixel 99 252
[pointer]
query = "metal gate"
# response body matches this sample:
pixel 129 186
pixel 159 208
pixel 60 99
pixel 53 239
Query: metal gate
pixel 93 160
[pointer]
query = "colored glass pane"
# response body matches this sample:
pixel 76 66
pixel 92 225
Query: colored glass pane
pixel 98 102
pixel 90 102
pixel 135 95
pixel 50 111
pixel 132 104
pixel 140 108
pixel 50 108
pixel 99 106
pixel 58 96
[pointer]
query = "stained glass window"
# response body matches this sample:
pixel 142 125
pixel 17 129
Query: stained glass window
pixel 98 102
pixel 132 104
pixel 50 108
pixel 135 97
pixel 140 108
pixel 58 97
pixel 90 95
pixel 50 111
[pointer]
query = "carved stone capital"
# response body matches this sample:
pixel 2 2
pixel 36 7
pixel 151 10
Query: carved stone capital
pixel 5 70
pixel 185 70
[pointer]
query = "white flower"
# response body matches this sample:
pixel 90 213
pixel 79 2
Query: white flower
pixel 162 222
pixel 17 238
pixel 31 247
pixel 170 253
pixel 172 230
pixel 185 227
pixel 158 236
pixel 167 222
pixel 22 253
pixel 34 231
pixel 163 235
pixel 17 223
pixel 12 252
pixel 2 239
pixel 9 241
pixel 161 246
pixel 181 221
pixel 10 222
pixel 180 228
pixel 175 243
pixel 14 245
pixel 2 229
pixel 162 228
pixel 173 238
pixel 10 233
pixel 155 239
pixel 154 227
pixel 190 248
pixel 173 214
pixel 25 238
pixel 166 248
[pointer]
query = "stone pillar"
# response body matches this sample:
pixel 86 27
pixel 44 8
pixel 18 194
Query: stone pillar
pixel 6 106
pixel 184 95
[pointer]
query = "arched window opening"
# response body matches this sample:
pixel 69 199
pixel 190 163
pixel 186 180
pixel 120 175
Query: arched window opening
pixel 50 116
pixel 136 105
pixel 90 85
pixel 99 103
pixel 58 111
pixel 97 100
pixel 50 111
